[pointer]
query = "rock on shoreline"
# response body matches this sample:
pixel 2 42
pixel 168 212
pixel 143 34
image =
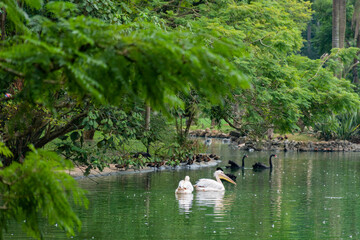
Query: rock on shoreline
pixel 301 146
pixel 279 145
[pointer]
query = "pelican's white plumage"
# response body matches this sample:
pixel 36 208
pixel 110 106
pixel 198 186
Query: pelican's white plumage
pixel 205 184
pixel 185 186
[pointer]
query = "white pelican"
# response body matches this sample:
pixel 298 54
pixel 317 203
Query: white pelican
pixel 205 184
pixel 185 186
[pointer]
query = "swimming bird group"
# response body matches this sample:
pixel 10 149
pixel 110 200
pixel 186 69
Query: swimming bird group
pixel 256 166
pixel 205 184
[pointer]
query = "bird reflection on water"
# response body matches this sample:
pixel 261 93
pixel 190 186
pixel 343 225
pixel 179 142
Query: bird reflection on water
pixel 211 199
pixel 216 200
pixel 185 202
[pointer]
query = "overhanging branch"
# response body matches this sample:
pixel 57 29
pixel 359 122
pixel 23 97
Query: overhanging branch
pixel 231 124
pixel 70 126
pixel 12 71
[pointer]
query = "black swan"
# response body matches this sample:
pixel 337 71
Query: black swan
pixel 144 154
pixel 259 165
pixel 234 165
pixel 232 176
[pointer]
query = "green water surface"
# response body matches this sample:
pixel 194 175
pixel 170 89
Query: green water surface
pixel 306 196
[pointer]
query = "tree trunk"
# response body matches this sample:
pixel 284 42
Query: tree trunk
pixel 189 121
pixel 213 123
pixel 270 133
pixel 147 118
pixel 355 69
pixel 335 24
pixel 147 124
pixel 342 23
pixel 338 26
pixel 355 73
pixel 237 115
pixel 179 129
pixel 308 39
pixel 355 25
pixel 355 21
pixel 3 19
pixel 89 134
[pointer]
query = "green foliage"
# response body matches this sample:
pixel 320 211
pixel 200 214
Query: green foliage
pixel 174 153
pixel 322 33
pixel 4 151
pixel 61 9
pixel 203 123
pixel 286 88
pixel 18 16
pixel 341 61
pixel 108 61
pixel 321 26
pixel 40 187
pixel 108 11
pixel 343 126
pixel 117 130
pixel 160 131
pixel 321 92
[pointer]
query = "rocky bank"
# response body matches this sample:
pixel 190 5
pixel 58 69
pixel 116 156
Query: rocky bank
pixel 279 145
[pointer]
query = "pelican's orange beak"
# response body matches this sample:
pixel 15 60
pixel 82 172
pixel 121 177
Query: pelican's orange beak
pixel 223 176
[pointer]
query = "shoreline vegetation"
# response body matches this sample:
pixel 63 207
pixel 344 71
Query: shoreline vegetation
pixel 307 144
pixel 78 171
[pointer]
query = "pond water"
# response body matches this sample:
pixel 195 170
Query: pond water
pixel 305 196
